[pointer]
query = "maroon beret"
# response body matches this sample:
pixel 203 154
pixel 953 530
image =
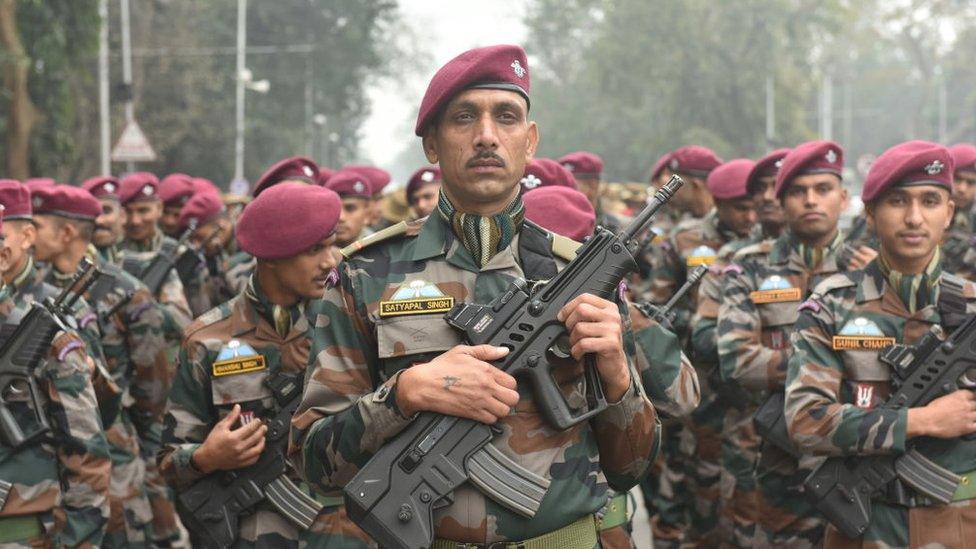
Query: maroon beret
pixel 729 180
pixel 325 174
pixel 202 208
pixel 102 186
pixel 545 172
pixel 65 201
pixel 378 178
pixel 583 164
pixel 767 166
pixel 296 168
pixel 494 67
pixel 15 198
pixel 964 157
pixel 660 165
pixel 204 185
pixel 562 210
pixel 37 182
pixel 693 160
pixel 137 187
pixel 810 157
pixel 421 177
pixel 906 164
pixel 350 184
pixel 175 189
pixel 312 213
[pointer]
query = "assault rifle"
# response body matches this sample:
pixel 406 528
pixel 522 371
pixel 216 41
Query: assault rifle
pixel 393 496
pixel 211 508
pixel 663 315
pixel 155 273
pixel 842 487
pixel 23 350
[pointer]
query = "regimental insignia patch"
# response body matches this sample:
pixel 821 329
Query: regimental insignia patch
pixel 702 255
pixel 418 297
pixel 659 236
pixel 775 289
pixel 861 334
pixel 237 358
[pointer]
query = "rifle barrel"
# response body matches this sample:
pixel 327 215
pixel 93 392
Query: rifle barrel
pixel 660 198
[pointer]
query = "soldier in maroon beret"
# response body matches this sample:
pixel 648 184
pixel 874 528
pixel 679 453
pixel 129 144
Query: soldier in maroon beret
pixel 356 194
pixel 562 210
pixel 296 168
pixel 216 419
pixel 19 233
pixel 958 255
pixel 587 171
pixel 174 190
pixel 423 188
pixel 378 179
pixel 761 186
pixel 544 172
pixel 474 123
pixel 110 225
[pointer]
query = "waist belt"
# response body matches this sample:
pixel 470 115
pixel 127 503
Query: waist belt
pixel 580 534
pixel 615 513
pixel 900 494
pixel 20 528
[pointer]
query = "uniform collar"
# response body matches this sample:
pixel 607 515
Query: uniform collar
pixel 249 315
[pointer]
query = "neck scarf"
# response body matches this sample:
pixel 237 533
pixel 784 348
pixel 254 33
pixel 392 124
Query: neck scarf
pixel 915 290
pixel 484 236
pixel 282 318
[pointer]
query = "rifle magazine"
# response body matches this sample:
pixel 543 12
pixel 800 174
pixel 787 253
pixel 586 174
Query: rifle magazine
pixel 292 502
pixel 927 477
pixel 507 482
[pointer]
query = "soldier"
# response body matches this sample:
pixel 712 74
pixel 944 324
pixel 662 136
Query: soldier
pixel 761 291
pixel 422 190
pixel 356 196
pixel 215 420
pixel 474 123
pixel 110 225
pixel 957 255
pixel 836 384
pixel 213 238
pixel 376 181
pixel 587 170
pixel 561 210
pixel 139 195
pixel 543 172
pixel 134 351
pixel 239 266
pixel 174 190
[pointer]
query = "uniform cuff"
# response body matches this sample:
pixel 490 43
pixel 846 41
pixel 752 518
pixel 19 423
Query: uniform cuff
pixel 184 470
pixel 380 411
pixel 621 413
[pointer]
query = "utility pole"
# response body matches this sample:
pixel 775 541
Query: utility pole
pixel 827 108
pixel 127 70
pixel 241 68
pixel 770 112
pixel 104 113
pixel 943 109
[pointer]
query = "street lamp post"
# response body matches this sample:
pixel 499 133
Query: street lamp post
pixel 241 45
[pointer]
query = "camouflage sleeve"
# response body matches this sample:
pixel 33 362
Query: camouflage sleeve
pixel 818 421
pixel 149 385
pixel 342 421
pixel 198 293
pixel 667 375
pixel 189 417
pixel 626 432
pixel 176 309
pixel 742 356
pixel 82 449
pixel 705 319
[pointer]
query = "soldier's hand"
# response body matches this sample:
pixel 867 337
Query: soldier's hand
pixel 459 383
pixel 949 416
pixel 861 257
pixel 228 448
pixel 595 327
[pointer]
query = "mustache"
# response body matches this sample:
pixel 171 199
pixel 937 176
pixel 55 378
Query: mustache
pixel 102 228
pixel 485 155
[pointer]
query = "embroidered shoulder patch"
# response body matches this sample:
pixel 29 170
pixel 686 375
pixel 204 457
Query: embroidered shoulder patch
pixel 418 297
pixel 237 358
pixel 775 289
pixel 861 334
pixel 702 255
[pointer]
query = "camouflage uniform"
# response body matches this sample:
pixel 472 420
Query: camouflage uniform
pixel 137 256
pixel 237 269
pixel 834 393
pixel 59 493
pixel 134 351
pixel 346 416
pixel 762 289
pixel 199 399
pixel 957 246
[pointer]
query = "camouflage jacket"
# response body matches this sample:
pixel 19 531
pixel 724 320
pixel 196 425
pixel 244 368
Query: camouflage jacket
pixel 237 269
pixel 136 256
pixel 64 479
pixel 957 246
pixel 214 374
pixel 346 416
pixel 669 379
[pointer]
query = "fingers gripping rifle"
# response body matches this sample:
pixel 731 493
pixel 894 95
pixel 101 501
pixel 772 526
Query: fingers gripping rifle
pixel 394 494
pixel 842 487
pixel 23 351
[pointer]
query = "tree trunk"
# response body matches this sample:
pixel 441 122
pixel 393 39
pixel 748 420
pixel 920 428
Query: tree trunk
pixel 23 114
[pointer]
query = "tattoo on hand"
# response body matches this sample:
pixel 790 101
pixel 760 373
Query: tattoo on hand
pixel 450 381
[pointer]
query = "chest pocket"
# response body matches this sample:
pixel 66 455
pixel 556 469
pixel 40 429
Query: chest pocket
pixel 406 340
pixel 777 322
pixel 247 389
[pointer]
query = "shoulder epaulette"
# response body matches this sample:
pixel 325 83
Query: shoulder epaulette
pixel 564 248
pixel 686 225
pixel 836 282
pixel 218 313
pixel 759 248
pixel 403 228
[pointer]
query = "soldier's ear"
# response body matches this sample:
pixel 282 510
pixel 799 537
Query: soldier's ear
pixel 952 213
pixel 532 143
pixel 869 214
pixel 430 145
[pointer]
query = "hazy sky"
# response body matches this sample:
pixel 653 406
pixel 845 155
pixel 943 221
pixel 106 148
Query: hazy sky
pixel 445 28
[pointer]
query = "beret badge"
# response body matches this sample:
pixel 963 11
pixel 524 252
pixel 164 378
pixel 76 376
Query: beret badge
pixel 147 190
pixel 359 187
pixel 109 187
pixel 427 177
pixel 518 69
pixel 568 166
pixel 307 170
pixel 673 164
pixel 935 168
pixel 37 202
pixel 831 156
pixel 530 181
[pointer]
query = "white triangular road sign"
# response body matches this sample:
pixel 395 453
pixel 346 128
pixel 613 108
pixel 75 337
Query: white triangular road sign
pixel 133 146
